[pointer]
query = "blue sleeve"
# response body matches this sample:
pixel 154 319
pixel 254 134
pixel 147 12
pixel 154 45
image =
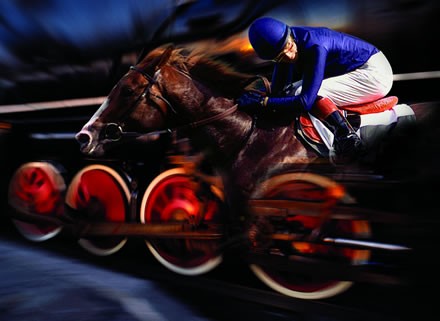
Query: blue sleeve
pixel 279 79
pixel 313 74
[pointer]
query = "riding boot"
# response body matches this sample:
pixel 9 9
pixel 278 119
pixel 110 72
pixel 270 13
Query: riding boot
pixel 347 144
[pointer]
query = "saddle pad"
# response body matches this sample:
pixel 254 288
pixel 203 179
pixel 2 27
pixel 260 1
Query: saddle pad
pixel 308 129
pixel 377 106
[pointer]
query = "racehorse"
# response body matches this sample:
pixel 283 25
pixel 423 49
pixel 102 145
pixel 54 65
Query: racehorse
pixel 157 94
pixel 177 90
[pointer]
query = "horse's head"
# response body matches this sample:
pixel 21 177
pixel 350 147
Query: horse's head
pixel 134 105
pixel 167 88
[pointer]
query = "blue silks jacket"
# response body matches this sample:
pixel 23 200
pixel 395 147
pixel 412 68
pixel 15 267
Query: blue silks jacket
pixel 322 53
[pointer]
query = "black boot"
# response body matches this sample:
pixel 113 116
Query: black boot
pixel 347 143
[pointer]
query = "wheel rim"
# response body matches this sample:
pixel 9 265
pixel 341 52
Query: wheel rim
pixel 37 188
pixel 171 198
pixel 309 187
pixel 103 194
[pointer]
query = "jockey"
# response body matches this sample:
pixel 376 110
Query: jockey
pixel 317 69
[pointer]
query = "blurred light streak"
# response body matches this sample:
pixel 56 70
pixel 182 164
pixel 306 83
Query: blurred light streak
pixel 5 109
pixel 417 75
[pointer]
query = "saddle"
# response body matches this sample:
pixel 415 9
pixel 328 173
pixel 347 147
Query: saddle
pixel 308 131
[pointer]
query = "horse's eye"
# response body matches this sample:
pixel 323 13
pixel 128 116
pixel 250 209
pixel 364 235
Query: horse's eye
pixel 127 91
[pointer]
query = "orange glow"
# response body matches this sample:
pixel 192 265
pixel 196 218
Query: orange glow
pixel 238 44
pixel 234 44
pixel 336 192
pixel 5 126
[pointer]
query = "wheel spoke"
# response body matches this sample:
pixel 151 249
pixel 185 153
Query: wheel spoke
pixel 190 257
pixel 37 188
pixel 309 188
pixel 101 193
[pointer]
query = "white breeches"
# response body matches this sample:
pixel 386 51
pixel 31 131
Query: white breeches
pixel 371 81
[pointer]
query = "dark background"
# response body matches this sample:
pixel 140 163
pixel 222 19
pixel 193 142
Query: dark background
pixel 61 49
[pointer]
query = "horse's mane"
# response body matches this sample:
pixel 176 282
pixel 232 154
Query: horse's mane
pixel 205 67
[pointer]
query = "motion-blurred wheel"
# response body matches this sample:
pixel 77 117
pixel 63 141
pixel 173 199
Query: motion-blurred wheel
pixel 171 198
pixel 37 188
pixel 307 187
pixel 100 194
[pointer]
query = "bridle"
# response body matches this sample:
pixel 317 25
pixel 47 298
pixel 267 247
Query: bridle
pixel 152 81
pixel 114 131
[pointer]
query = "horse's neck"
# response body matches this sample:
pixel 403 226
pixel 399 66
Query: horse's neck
pixel 226 136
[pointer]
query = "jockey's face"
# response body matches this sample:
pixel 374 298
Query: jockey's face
pixel 289 52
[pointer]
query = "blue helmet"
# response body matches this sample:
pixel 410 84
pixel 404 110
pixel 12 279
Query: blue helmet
pixel 268 37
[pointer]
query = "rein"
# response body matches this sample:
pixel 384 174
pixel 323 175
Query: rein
pixel 123 134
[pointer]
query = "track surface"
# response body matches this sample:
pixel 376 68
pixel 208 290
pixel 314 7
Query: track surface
pixel 58 280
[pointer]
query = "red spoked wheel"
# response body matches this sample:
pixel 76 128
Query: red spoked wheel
pixel 102 195
pixel 310 188
pixel 37 188
pixel 170 197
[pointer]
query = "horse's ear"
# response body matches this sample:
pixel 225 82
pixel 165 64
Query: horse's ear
pixel 165 56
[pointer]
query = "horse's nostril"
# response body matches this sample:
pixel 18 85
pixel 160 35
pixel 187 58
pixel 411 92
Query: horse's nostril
pixel 82 138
